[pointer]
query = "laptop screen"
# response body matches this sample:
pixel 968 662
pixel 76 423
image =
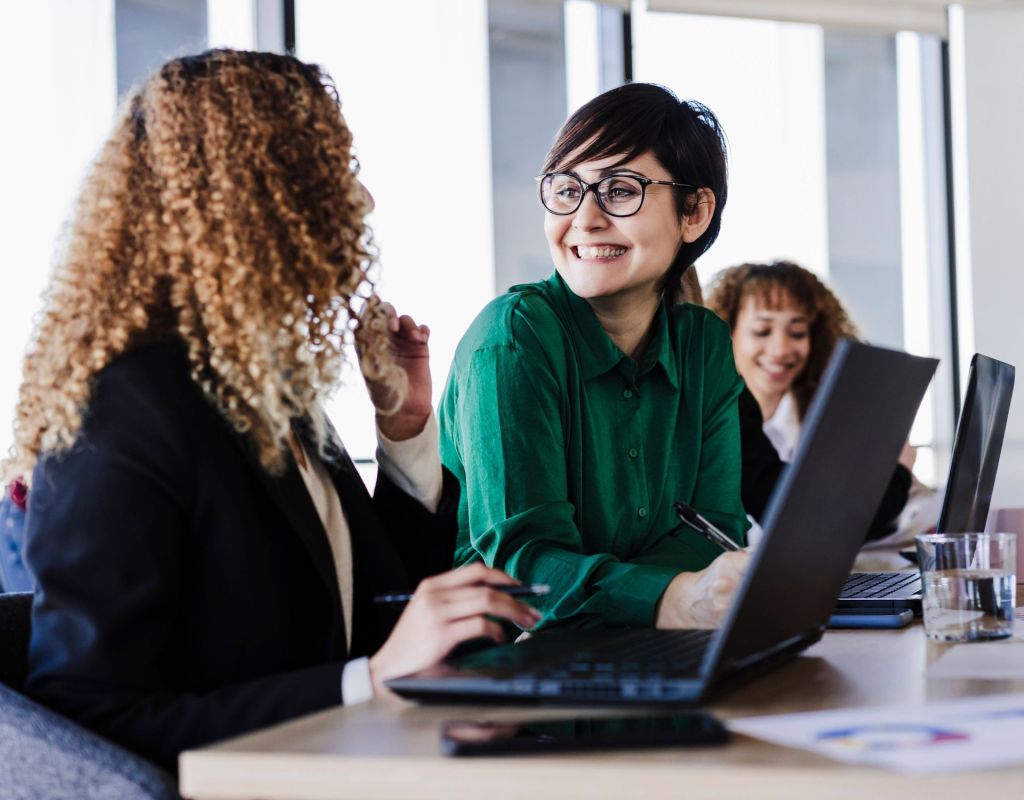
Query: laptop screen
pixel 979 440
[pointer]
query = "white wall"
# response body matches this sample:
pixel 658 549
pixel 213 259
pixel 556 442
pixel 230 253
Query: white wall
pixel 991 259
pixel 413 81
pixel 765 82
pixel 58 93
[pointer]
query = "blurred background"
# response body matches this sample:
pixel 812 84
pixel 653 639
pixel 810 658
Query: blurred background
pixel 876 142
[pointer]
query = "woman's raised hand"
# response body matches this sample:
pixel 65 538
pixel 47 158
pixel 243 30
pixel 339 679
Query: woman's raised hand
pixel 446 610
pixel 700 599
pixel 409 347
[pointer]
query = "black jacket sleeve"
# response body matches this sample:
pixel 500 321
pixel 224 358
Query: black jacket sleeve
pixel 176 604
pixel 762 469
pixel 108 543
pixel 425 540
pixel 761 465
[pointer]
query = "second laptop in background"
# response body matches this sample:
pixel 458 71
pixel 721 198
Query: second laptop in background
pixel 972 475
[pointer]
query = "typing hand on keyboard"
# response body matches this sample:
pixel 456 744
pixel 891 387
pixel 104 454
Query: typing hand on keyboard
pixel 700 599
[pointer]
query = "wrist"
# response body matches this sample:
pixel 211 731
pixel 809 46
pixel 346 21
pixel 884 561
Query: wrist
pixel 674 606
pixel 376 678
pixel 401 426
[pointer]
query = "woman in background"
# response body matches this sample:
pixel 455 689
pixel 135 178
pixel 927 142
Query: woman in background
pixel 580 407
pixel 785 323
pixel 206 556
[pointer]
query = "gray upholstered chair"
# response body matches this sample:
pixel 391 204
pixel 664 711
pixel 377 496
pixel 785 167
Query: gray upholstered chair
pixel 42 754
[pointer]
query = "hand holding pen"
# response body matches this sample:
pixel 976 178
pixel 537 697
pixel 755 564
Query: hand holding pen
pixel 700 599
pixel 444 611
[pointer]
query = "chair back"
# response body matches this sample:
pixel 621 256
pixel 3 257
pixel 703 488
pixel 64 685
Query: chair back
pixel 45 755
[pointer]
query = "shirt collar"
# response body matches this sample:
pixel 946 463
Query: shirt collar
pixel 597 352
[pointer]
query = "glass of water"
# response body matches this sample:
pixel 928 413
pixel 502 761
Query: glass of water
pixel 970 587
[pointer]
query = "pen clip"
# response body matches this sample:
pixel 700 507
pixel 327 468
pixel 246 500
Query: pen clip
pixel 689 517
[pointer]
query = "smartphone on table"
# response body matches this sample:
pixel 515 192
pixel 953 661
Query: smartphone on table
pixel 494 737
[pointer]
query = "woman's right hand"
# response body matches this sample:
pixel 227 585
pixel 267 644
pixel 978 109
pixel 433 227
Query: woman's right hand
pixel 701 599
pixel 446 610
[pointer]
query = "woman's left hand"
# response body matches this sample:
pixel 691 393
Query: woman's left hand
pixel 411 353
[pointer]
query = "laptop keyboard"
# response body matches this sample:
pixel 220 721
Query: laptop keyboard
pixel 642 655
pixel 880 585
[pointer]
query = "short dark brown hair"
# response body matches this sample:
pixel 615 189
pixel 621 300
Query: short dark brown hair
pixel 684 135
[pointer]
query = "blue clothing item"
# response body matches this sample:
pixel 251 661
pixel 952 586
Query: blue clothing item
pixel 14 575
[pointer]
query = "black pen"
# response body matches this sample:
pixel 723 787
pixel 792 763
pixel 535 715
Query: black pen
pixel 529 590
pixel 690 517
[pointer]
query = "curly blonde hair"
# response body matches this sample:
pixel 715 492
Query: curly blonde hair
pixel 774 286
pixel 223 211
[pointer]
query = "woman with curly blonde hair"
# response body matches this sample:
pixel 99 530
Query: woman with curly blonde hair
pixel 205 554
pixel 785 323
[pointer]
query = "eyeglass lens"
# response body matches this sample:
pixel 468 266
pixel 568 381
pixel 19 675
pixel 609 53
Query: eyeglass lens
pixel 618 195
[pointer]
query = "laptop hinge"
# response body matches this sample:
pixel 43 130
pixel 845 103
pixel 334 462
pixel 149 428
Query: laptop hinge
pixel 781 651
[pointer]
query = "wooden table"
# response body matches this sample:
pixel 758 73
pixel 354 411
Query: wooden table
pixel 390 749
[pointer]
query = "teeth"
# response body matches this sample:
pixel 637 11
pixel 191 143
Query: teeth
pixel 600 252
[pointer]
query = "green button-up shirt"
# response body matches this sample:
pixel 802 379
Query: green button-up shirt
pixel 570 453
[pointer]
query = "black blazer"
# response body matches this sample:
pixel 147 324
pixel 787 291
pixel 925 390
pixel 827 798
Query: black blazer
pixel 762 467
pixel 183 594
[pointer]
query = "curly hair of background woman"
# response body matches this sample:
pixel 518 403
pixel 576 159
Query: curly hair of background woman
pixel 778 285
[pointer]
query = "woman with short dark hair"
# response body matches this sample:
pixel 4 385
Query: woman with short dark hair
pixel 580 407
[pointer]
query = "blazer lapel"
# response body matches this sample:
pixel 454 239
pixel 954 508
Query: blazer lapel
pixel 292 498
pixel 376 565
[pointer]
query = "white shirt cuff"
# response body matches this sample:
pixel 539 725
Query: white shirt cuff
pixel 414 464
pixel 356 686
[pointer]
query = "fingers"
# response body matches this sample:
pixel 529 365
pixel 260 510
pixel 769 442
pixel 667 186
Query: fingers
pixel 472 628
pixel 404 326
pixel 735 562
pixel 469 601
pixel 477 572
pixel 391 316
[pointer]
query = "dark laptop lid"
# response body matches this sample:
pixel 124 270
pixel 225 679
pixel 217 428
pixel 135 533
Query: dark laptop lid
pixel 815 521
pixel 979 441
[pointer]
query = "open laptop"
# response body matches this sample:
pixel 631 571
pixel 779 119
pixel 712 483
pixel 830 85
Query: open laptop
pixel 972 474
pixel 813 528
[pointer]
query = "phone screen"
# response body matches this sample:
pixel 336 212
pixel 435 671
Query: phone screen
pixel 488 737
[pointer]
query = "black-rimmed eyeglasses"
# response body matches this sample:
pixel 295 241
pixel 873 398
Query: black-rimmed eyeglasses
pixel 618 195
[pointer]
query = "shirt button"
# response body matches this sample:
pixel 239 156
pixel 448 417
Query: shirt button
pixel 641 512
pixel 633 452
pixel 627 394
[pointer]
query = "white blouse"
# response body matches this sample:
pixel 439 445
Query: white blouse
pixel 415 467
pixel 783 427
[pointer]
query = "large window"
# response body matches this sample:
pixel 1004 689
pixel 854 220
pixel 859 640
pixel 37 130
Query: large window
pixel 836 162
pixel 413 82
pixel 59 90
pixel 835 139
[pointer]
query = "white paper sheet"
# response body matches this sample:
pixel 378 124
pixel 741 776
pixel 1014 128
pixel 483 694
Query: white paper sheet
pixel 952 736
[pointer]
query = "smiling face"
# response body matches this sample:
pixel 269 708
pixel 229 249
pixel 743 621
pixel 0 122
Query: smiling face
pixel 620 260
pixel 771 347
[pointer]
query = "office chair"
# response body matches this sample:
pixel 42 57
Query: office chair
pixel 44 756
